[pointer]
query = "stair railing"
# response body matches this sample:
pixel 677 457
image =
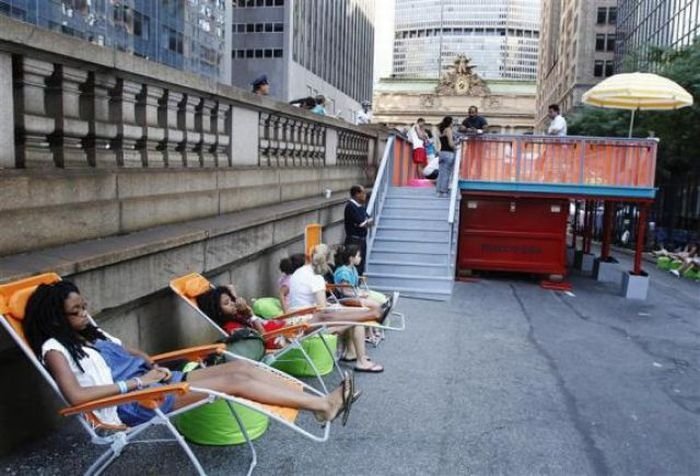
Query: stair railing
pixel 381 186
pixel 454 193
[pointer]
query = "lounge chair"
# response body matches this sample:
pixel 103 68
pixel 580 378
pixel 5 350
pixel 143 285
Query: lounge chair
pixel 13 300
pixel 304 354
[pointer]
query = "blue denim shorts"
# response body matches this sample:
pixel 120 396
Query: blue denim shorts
pixel 133 414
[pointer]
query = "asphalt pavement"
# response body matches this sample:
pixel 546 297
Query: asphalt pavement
pixel 506 378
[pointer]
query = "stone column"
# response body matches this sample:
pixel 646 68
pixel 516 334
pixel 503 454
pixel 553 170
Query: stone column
pixel 331 153
pixel 33 124
pixel 63 103
pixel 151 134
pixel 168 119
pixel 7 121
pixel 221 120
pixel 208 139
pixel 191 137
pixel 123 114
pixel 101 131
pixel 245 133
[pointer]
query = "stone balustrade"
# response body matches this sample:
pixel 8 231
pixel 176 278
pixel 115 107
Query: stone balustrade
pixel 80 105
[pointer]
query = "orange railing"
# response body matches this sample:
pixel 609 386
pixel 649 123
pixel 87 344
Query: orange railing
pixel 571 160
pixel 403 169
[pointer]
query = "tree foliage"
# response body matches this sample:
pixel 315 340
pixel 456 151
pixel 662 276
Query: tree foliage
pixel 678 131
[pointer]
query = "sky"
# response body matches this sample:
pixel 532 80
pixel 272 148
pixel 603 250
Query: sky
pixel 383 38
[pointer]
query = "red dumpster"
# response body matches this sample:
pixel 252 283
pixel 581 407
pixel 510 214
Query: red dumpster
pixel 523 234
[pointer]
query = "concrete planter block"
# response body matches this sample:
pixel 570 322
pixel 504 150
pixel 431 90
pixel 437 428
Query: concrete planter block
pixel 635 286
pixel 584 261
pixel 607 271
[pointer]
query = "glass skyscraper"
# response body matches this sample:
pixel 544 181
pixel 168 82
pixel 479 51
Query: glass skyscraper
pixel 500 36
pixel 647 24
pixel 185 34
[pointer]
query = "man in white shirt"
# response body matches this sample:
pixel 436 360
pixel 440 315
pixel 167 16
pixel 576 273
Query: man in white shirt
pixel 558 125
pixel 364 116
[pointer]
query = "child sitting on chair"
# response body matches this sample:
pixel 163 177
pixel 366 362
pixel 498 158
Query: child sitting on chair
pixel 287 268
pixel 346 275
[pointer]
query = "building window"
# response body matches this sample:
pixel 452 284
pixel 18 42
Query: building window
pixel 279 3
pixel 259 27
pixel 277 52
pixel 612 15
pixel 598 68
pixel 249 53
pixel 240 54
pixel 250 28
pixel 258 53
pixel 600 42
pixel 278 27
pixel 268 53
pixel 610 43
pixel 240 28
pixel 602 14
pixel 609 70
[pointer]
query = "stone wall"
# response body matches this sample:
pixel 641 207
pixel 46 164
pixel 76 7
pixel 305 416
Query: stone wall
pixel 121 174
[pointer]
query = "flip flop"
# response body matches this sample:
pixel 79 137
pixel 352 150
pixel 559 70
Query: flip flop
pixel 350 398
pixel 374 369
pixel 343 359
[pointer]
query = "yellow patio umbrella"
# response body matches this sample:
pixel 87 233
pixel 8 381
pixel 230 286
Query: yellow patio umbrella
pixel 638 91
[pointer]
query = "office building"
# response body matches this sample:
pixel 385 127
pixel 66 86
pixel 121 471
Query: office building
pixel 306 48
pixel 500 37
pixel 189 35
pixel 647 25
pixel 577 50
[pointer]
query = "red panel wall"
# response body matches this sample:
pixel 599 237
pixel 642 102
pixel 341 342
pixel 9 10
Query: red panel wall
pixel 513 234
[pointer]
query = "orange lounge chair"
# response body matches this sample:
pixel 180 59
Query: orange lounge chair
pixel 13 300
pixel 190 286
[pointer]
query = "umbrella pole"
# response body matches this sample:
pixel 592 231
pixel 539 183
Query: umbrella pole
pixel 631 122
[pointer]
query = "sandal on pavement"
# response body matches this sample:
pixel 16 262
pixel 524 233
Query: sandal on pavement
pixel 373 369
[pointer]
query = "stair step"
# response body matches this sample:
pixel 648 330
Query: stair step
pixel 410 246
pixel 407 268
pixel 413 235
pixel 434 223
pixel 397 256
pixel 417 201
pixel 414 213
pixel 430 284
pixel 412 191
pixel 416 205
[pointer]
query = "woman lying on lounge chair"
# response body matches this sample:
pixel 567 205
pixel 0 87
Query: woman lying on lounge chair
pixel 88 364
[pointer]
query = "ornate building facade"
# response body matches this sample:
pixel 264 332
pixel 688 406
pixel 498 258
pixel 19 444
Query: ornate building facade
pixel 508 106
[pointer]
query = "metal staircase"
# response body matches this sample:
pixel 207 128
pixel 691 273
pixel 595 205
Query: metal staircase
pixel 411 248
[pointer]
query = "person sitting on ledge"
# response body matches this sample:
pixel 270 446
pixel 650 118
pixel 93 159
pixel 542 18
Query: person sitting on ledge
pixel 88 364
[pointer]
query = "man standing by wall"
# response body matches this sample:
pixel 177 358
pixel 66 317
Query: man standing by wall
pixel 357 221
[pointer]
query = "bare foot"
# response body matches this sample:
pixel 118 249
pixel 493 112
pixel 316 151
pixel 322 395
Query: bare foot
pixel 335 402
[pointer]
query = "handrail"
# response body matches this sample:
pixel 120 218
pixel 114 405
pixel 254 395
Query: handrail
pixel 382 182
pixel 455 184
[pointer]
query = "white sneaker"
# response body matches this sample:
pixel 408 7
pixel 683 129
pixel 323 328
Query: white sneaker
pixel 676 273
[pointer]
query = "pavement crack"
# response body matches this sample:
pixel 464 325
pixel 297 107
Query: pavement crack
pixel 594 454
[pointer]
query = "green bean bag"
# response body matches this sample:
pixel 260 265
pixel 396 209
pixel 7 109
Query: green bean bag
pixel 663 262
pixel 691 274
pixel 676 264
pixel 267 307
pixel 294 363
pixel 214 424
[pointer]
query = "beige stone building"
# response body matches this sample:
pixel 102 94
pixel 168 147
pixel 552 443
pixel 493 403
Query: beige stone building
pixel 577 50
pixel 508 106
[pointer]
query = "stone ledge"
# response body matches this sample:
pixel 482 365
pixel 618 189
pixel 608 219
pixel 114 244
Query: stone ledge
pixel 92 254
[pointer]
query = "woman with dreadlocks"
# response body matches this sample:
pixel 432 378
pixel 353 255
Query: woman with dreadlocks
pixel 88 363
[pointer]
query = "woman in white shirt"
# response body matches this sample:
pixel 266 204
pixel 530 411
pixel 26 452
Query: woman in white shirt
pixel 89 364
pixel 307 287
